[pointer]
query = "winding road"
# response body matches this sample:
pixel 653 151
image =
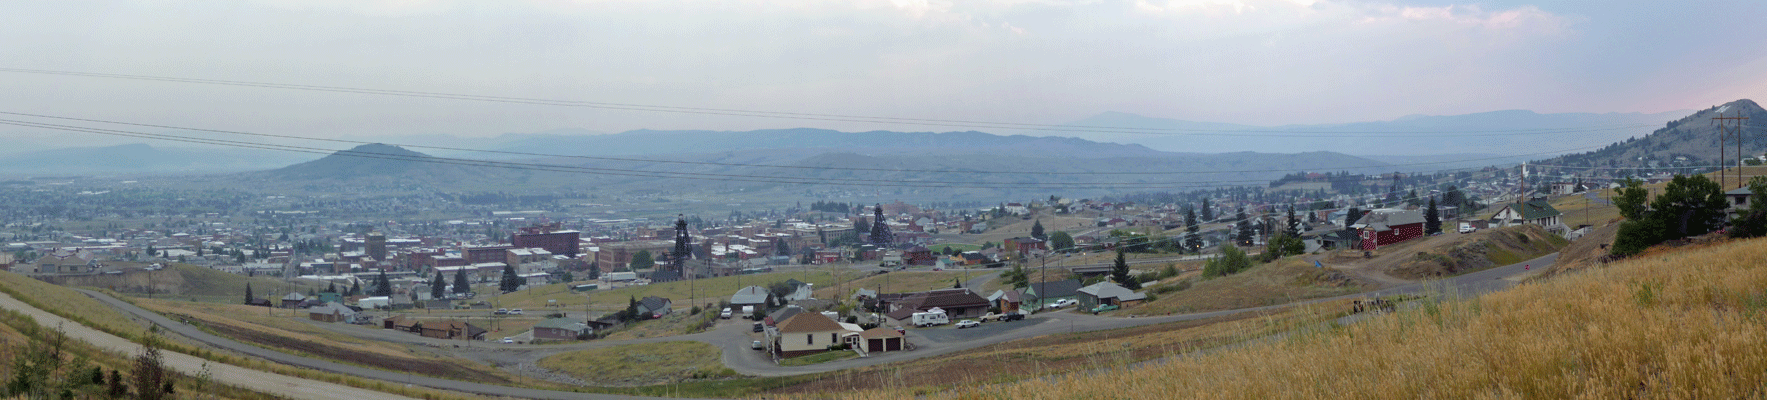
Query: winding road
pixel 733 336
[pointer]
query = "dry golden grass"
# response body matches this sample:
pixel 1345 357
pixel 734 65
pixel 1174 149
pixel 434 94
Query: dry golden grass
pixel 285 331
pixel 70 304
pixel 641 364
pixel 1283 281
pixel 899 281
pixel 1686 324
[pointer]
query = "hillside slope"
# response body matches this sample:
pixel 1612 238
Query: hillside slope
pixel 1691 140
pixel 1683 324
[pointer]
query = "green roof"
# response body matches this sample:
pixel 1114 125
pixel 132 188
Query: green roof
pixel 1537 209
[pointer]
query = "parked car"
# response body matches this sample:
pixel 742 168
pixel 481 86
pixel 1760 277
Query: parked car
pixel 760 327
pixel 1012 316
pixel 1062 303
pixel 508 340
pixel 517 311
pixel 1103 308
pixel 968 323
pixel 724 314
pixel 501 311
pixel 757 345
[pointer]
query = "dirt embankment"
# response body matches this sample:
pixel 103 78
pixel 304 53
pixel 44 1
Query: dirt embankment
pixel 161 281
pixel 1502 246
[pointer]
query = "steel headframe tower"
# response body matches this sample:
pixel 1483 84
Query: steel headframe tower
pixel 678 259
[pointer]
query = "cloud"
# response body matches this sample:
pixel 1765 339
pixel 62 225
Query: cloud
pixel 1524 17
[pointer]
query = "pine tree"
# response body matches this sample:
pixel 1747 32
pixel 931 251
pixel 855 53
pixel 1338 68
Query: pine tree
pixel 1120 273
pixel 1244 238
pixel 1292 226
pixel 248 293
pixel 461 285
pixel 355 288
pixel 1037 231
pixel 511 282
pixel 438 287
pixel 382 285
pixel 1193 242
pixel 332 288
pixel 1208 215
pixel 1432 219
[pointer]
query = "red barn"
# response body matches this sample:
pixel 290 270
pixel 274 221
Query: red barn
pixel 1388 226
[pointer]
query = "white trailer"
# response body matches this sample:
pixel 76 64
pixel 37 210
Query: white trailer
pixel 924 319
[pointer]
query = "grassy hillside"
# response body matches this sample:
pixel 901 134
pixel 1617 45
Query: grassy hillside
pixel 1495 247
pixel 1278 282
pixel 1682 324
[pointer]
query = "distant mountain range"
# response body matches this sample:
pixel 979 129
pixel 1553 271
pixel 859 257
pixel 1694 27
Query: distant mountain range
pixel 977 166
pixel 1511 132
pixel 140 158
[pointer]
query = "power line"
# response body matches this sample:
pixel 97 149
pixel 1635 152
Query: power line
pixel 843 117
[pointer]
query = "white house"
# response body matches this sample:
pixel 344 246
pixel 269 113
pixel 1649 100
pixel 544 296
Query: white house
pixel 808 333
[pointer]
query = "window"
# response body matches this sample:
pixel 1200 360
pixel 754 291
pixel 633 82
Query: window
pixel 809 338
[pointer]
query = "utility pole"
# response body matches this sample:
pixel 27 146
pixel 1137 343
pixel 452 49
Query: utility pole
pixel 1723 133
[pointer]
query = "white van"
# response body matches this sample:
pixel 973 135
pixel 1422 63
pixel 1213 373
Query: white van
pixel 925 319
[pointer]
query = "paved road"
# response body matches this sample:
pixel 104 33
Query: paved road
pixel 733 336
pixel 264 382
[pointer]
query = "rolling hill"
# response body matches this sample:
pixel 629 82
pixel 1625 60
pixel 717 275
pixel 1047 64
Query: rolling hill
pixel 1689 141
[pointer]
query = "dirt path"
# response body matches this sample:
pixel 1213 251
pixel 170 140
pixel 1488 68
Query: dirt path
pixel 280 385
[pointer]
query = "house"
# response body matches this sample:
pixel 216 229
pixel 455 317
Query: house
pixel 975 258
pixel 293 299
pixel 1007 300
pixel 656 307
pixel 919 255
pixel 1107 293
pixel 883 339
pixel 399 323
pixel 331 312
pixel 260 302
pixel 800 291
pixel 1388 226
pixel 1020 247
pixel 1532 212
pixel 808 333
pixel 782 314
pixel 561 329
pixel 1043 293
pixel 1739 202
pixel 450 330
pixel 957 302
pixel 751 296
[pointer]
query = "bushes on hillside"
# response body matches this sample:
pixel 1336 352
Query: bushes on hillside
pixel 1689 206
pixel 1231 261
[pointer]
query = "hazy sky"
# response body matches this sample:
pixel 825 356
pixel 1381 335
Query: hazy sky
pixel 1261 62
